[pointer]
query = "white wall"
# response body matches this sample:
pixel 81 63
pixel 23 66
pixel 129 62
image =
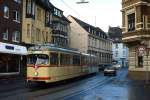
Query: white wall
pixel 122 53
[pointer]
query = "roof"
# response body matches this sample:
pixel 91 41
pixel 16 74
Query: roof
pixel 86 26
pixel 52 47
pixel 115 33
pixel 45 3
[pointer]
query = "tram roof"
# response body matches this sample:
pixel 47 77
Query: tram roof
pixel 53 48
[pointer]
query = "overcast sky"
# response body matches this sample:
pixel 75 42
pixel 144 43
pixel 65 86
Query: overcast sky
pixel 102 13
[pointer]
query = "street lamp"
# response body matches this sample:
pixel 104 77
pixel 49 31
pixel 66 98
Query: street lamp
pixel 82 1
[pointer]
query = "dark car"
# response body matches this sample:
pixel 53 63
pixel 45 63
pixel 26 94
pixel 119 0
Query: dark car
pixel 103 66
pixel 110 71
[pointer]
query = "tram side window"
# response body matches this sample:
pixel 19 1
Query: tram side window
pixel 76 60
pixel 64 59
pixel 54 58
pixel 83 60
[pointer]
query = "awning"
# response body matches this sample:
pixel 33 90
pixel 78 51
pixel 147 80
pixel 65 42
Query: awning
pixel 12 49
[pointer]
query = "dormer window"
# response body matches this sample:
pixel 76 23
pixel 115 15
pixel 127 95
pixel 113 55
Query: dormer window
pixel 57 12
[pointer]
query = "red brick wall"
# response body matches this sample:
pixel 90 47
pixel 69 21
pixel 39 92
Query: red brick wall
pixel 9 23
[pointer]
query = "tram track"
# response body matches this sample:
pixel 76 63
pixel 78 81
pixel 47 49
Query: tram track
pixel 22 90
pixel 78 91
pixel 87 84
pixel 94 86
pixel 99 84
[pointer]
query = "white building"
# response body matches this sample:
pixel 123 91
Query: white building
pixel 120 53
pixel 120 50
pixel 89 39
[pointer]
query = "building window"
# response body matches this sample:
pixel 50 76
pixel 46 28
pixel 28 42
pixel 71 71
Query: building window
pixel 46 36
pixel 124 46
pixel 29 6
pixel 47 17
pixel 28 30
pixel 124 53
pixel 6 12
pixel 5 34
pixel 33 8
pixel 39 14
pixel 16 36
pixel 38 34
pixel 116 54
pixel 16 16
pixel 131 22
pixel 116 46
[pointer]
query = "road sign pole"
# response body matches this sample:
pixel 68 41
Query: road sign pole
pixel 147 77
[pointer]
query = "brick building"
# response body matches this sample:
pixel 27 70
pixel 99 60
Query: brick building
pixel 11 52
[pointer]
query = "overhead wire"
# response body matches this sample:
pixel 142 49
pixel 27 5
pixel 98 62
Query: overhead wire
pixel 70 8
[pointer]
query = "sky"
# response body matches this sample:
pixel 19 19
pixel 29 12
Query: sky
pixel 99 13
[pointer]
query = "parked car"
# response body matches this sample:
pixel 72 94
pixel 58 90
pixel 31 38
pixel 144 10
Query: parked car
pixel 110 71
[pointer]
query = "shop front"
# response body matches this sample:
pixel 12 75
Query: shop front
pixel 11 59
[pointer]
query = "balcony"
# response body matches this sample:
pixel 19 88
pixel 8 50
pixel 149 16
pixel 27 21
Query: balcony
pixel 59 33
pixel 136 35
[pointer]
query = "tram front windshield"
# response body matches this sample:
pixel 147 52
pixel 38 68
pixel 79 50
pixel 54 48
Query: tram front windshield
pixel 38 59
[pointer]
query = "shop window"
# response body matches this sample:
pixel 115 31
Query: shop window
pixel 6 12
pixel 140 61
pixel 9 63
pixel 16 36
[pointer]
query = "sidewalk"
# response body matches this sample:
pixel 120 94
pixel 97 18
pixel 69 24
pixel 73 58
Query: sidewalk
pixel 10 84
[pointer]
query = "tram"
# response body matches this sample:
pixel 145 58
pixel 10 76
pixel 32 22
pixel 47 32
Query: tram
pixel 48 63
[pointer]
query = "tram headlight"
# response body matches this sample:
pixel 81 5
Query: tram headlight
pixel 36 73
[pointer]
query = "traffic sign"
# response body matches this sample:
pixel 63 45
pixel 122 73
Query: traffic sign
pixel 141 50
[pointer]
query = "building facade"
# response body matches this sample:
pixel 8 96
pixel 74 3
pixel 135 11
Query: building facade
pixel 120 50
pixel 89 39
pixel 61 28
pixel 136 29
pixel 11 51
pixel 37 22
